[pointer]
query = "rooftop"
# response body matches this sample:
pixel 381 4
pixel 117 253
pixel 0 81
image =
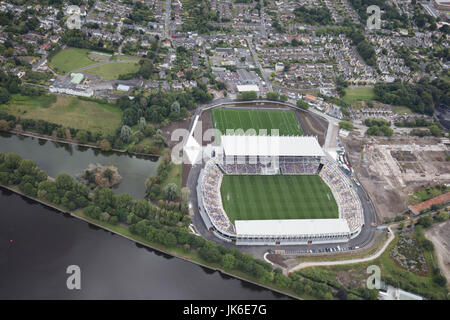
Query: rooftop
pixel 291 227
pixel 293 146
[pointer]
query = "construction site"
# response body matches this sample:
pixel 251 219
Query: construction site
pixel 392 169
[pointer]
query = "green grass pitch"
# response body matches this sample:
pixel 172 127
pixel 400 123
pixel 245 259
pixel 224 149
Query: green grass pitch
pixel 284 120
pixel 262 197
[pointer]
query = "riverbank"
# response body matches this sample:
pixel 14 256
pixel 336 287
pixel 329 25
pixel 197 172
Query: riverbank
pixel 124 232
pixel 71 142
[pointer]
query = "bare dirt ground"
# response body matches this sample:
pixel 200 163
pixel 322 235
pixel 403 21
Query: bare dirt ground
pixel 391 169
pixel 352 278
pixel 440 236
pixel 206 120
pixel 167 131
pixel 276 258
pixel 313 126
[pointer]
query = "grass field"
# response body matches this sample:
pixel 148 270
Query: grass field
pixel 284 120
pixel 112 71
pixel 255 197
pixel 68 111
pixel 401 110
pixel 358 94
pixel 70 59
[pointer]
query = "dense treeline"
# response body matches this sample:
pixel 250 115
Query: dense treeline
pixel 419 122
pixel 247 95
pixel 153 184
pixel 78 39
pixel 162 105
pixel 421 97
pixel 10 84
pixel 364 48
pixel 390 15
pixel 320 15
pixel 378 127
pixel 273 95
pixel 164 224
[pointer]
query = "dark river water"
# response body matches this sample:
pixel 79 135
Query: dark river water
pixel 37 244
pixel 45 242
pixel 55 158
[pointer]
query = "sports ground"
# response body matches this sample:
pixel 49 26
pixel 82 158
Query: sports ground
pixel 284 120
pixel 261 197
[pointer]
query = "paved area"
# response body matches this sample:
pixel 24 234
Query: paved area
pixel 440 236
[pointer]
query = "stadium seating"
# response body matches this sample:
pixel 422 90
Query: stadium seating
pixel 350 207
pixel 212 201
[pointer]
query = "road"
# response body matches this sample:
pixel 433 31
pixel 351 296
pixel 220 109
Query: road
pixel 167 19
pixel 263 19
pixel 343 262
pixel 436 234
pixel 255 58
pixel 363 239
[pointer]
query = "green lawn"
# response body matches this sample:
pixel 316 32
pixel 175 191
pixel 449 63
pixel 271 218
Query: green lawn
pixel 256 197
pixel 358 94
pixel 68 111
pixel 284 120
pixel 427 193
pixel 401 110
pixel 70 59
pixel 112 71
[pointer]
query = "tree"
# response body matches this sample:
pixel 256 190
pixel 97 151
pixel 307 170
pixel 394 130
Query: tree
pixel 113 220
pixel 347 125
pixel 170 191
pixel 125 133
pixel 175 107
pixel 92 211
pixel 26 167
pixel 108 174
pixel 273 95
pixel 248 95
pixel 104 216
pixel 105 145
pixel 302 104
pixel 4 125
pixel 104 198
pixel 185 194
pixel 209 252
pixel 64 182
pixel 4 95
pixel 228 261
pixel 425 221
pixel 82 136
pixel 142 124
pixel 12 161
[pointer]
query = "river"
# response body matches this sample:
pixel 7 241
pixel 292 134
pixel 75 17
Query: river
pixel 55 158
pixel 37 244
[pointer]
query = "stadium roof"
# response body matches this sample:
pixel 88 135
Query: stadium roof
pixel 291 227
pixel 290 146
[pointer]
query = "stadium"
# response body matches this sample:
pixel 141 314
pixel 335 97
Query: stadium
pixel 274 189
